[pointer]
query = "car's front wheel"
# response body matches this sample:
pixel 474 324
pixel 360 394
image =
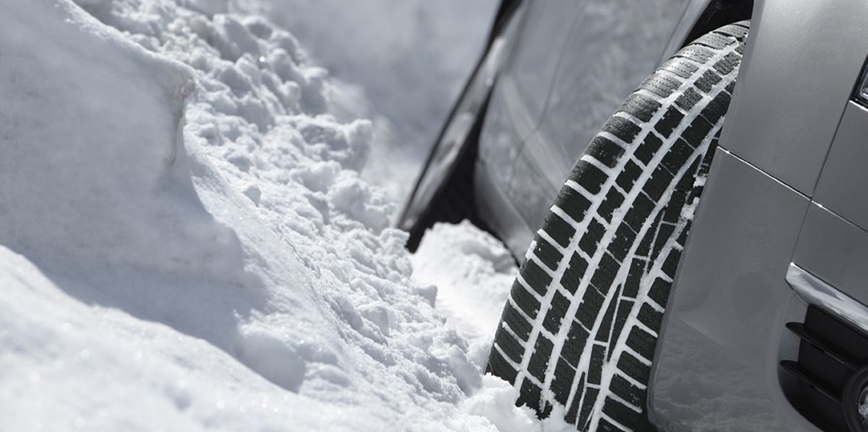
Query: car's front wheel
pixel 581 324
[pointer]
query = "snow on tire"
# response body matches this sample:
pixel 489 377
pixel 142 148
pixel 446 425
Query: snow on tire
pixel 581 323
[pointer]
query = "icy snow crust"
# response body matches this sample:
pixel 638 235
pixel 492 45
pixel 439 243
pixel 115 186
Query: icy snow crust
pixel 185 243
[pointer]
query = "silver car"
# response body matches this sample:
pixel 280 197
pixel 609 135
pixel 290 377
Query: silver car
pixel 618 320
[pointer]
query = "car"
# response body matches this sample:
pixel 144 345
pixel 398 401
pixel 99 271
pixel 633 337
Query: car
pixel 748 133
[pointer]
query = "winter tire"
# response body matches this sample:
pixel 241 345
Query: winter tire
pixel 581 324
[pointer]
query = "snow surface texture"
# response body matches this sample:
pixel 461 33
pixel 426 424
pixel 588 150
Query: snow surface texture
pixel 410 58
pixel 473 273
pixel 185 243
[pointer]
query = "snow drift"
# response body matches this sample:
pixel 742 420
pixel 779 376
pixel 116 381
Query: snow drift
pixel 185 243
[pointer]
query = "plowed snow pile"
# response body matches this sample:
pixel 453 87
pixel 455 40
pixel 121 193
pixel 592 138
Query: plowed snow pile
pixel 185 243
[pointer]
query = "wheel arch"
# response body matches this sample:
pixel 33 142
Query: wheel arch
pixel 703 16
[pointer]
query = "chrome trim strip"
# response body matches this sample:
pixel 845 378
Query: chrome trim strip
pixel 816 292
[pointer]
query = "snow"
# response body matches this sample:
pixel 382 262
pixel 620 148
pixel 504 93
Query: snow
pixel 186 243
pixel 473 273
pixel 401 63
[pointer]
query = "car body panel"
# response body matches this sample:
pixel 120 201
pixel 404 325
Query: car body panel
pixel 501 215
pixel 717 358
pixel 723 337
pixel 834 250
pixel 800 68
pixel 499 146
pixel 575 62
pixel 846 168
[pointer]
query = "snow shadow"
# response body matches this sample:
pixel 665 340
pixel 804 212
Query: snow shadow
pixel 95 183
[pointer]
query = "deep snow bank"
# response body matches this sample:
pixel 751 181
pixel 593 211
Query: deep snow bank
pixel 180 256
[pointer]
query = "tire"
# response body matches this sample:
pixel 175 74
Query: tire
pixel 580 327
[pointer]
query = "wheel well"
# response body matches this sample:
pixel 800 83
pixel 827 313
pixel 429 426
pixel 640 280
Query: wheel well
pixel 717 14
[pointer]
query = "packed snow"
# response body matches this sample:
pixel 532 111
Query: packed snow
pixel 186 242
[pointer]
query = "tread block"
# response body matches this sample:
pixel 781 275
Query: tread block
pixel 558 229
pixel 606 426
pixel 524 300
pixel 530 396
pixel 619 411
pixel 688 99
pixel 539 360
pixel 670 265
pixel 516 322
pixel 589 176
pixel 625 306
pixel 642 342
pixel 573 411
pixel 661 85
pixel 590 307
pixel 735 30
pixel 547 411
pixel 659 182
pixel 622 242
pixel 632 367
pixel 697 53
pixel 634 278
pixel 605 331
pixel 727 64
pixel 640 106
pixel 650 317
pixel 714 40
pixel 668 122
pixel 682 239
pixel 574 204
pixel 622 128
pixel 556 313
pixel 645 152
pixel 629 174
pixel 605 274
pixel 639 212
pixel 647 242
pixel 577 337
pixel 659 291
pixel 589 401
pixel 707 81
pixel 605 150
pixel 626 390
pixel 697 131
pixel 664 231
pixel 509 345
pixel 562 383
pixel 681 68
pixel 593 235
pixel 574 273
pixel 498 366
pixel 672 213
pixel 547 253
pixel 717 107
pixel 595 370
pixel 613 201
pixel 536 277
pixel 677 156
